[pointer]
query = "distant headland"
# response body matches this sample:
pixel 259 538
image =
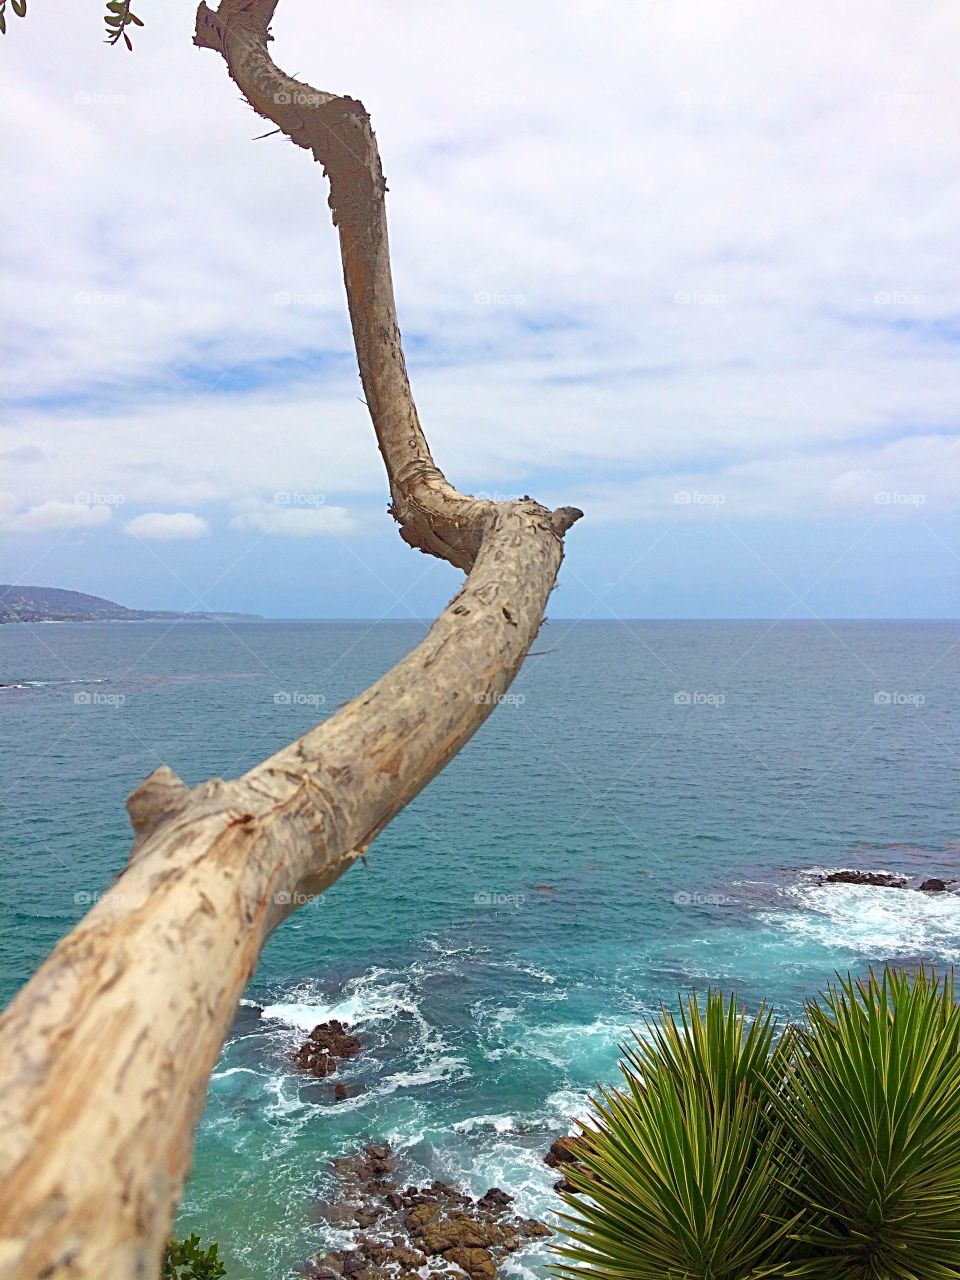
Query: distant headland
pixel 54 604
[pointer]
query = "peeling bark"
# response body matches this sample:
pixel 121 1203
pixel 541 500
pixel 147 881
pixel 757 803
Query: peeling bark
pixel 105 1055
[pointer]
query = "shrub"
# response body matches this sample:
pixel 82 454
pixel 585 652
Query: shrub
pixel 686 1172
pixel 875 1105
pixel 185 1260
pixel 833 1152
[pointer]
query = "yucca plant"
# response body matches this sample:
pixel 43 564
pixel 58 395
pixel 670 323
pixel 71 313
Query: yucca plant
pixel 875 1105
pixel 686 1171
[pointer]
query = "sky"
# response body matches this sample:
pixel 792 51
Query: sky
pixel 691 267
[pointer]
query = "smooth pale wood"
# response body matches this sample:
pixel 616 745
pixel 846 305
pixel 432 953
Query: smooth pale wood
pixel 106 1054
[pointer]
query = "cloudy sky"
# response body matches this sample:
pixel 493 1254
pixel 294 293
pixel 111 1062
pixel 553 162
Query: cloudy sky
pixel 689 266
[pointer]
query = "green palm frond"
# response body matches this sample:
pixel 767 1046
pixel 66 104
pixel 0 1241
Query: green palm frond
pixel 686 1171
pixel 875 1105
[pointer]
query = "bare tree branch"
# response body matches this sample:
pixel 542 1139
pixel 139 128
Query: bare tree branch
pixel 105 1055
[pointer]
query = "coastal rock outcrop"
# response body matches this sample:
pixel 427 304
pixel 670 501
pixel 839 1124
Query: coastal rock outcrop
pixel 416 1231
pixel 885 880
pixel 563 1155
pixel 879 879
pixel 326 1043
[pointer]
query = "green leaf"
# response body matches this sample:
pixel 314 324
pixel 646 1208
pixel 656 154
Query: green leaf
pixel 19 8
pixel 687 1170
pixel 874 1102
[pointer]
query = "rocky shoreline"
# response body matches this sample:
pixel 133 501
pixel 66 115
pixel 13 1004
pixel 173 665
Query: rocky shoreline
pixel 429 1231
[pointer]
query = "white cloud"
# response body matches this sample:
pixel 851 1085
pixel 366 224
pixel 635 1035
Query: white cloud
pixel 161 526
pixel 294 515
pixel 638 248
pixel 49 517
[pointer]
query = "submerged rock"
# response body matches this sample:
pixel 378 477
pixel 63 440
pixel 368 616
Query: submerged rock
pixel 879 879
pixel 884 880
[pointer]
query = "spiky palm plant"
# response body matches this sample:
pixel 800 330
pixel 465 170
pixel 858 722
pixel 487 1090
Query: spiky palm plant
pixel 875 1104
pixel 686 1171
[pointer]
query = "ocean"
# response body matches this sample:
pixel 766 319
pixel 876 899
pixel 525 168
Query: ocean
pixel 648 814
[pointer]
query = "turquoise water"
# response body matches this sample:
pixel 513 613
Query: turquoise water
pixel 647 815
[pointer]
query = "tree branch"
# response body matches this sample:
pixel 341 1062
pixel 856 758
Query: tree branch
pixel 105 1055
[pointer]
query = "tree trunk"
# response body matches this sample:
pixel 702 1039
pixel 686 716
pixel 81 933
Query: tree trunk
pixel 105 1055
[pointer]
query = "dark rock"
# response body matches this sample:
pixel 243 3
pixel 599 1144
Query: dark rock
pixel 411 1259
pixel 336 1039
pixel 495 1200
pixel 879 879
pixel 562 1151
pixel 933 885
pixel 340 1092
pixel 326 1043
pixel 460 1230
pixel 376 1186
pixel 533 1229
pixel 315 1060
pixel 421 1227
pixel 420 1217
pixel 477 1263
pixel 329 1265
